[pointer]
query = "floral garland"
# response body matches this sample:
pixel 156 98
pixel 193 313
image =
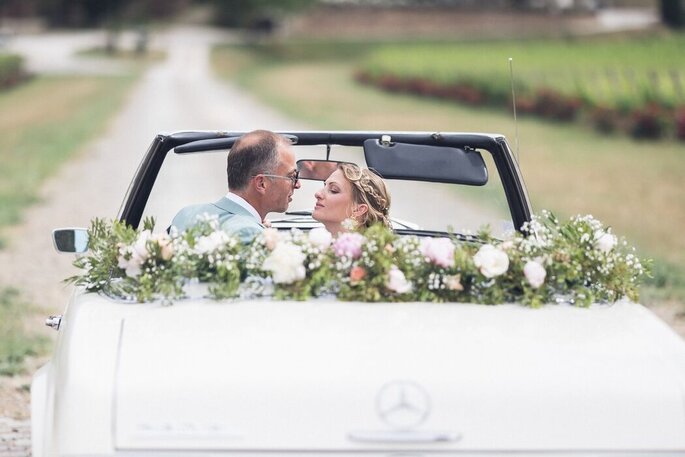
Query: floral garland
pixel 579 261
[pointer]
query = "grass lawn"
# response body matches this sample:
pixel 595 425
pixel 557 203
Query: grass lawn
pixel 43 123
pixel 15 342
pixel 635 187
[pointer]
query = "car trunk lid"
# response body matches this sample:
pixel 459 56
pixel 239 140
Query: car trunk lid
pixel 327 376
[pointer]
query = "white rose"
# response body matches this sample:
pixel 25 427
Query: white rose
pixel 211 243
pixel 270 238
pixel 140 246
pixel 397 282
pixel 129 261
pixel 133 269
pixel 605 241
pixel 491 261
pixel 534 273
pixel 286 263
pixel 166 248
pixel 131 258
pixel 320 237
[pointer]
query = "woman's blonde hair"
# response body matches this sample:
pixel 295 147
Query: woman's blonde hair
pixel 368 188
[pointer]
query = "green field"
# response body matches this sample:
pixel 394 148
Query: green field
pixel 635 187
pixel 620 72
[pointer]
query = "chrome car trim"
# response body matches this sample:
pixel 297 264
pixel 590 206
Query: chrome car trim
pixel 395 436
pixel 54 321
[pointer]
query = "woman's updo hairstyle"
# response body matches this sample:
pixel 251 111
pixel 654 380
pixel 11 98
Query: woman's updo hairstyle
pixel 368 188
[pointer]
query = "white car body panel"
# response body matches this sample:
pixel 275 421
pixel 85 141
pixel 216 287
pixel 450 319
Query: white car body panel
pixel 305 376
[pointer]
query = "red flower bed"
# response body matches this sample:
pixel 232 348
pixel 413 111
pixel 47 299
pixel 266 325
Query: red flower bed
pixel 648 122
pixel 553 105
pixel 423 87
pixel 465 93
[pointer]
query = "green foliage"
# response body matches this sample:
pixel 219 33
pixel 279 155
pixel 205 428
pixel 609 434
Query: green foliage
pixel 579 261
pixel 210 256
pixel 665 282
pixel 11 70
pixel 307 269
pixel 15 343
pixel 140 261
pixel 301 51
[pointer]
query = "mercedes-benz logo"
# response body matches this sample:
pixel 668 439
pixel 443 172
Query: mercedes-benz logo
pixel 402 404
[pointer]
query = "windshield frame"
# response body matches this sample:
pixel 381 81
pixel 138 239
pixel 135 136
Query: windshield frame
pixel 193 142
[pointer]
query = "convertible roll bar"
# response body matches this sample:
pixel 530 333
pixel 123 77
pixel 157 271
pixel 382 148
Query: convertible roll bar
pixel 345 139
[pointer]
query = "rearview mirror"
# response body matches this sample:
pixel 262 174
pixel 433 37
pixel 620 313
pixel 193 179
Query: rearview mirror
pixel 317 170
pixel 72 240
pixel 422 162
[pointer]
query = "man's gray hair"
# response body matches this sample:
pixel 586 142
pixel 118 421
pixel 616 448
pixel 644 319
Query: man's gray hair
pixel 253 153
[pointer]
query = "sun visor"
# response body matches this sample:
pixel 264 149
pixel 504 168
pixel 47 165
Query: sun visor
pixel 419 162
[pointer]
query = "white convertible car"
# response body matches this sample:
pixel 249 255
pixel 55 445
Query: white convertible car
pixel 325 377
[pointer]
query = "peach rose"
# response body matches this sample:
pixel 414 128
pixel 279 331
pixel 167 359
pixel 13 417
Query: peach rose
pixel 357 274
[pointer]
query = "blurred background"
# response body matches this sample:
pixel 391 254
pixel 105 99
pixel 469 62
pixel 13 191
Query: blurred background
pixel 86 84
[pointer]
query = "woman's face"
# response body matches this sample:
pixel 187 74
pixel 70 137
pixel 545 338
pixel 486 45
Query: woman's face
pixel 334 202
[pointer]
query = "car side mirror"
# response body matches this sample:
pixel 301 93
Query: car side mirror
pixel 72 240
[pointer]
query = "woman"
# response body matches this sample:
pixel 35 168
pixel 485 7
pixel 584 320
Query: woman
pixel 352 193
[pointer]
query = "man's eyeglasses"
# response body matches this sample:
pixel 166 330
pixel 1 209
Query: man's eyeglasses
pixel 293 179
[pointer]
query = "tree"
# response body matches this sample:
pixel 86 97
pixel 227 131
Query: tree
pixel 255 13
pixel 91 13
pixel 673 13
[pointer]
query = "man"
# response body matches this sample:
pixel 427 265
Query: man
pixel 262 176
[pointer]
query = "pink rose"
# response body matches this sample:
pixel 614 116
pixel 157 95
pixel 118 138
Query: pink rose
pixel 439 251
pixel 349 245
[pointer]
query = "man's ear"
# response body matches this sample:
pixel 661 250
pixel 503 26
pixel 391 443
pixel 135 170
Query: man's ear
pixel 259 184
